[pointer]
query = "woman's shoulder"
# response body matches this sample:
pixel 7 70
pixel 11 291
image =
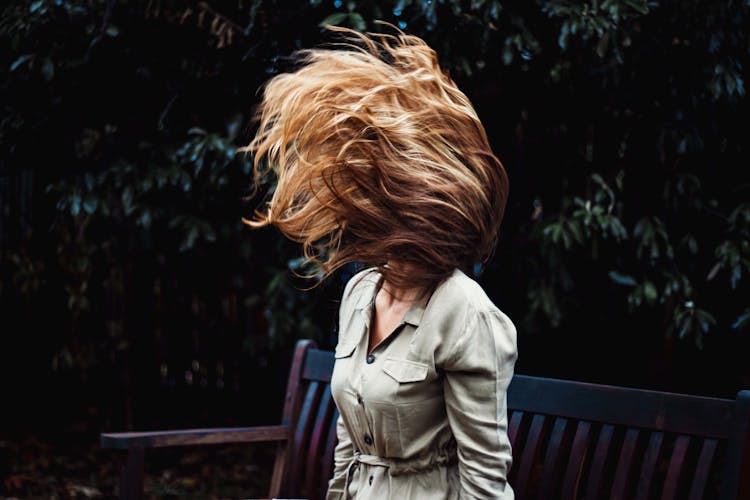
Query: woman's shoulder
pixel 360 286
pixel 460 301
pixel 460 293
pixel 466 321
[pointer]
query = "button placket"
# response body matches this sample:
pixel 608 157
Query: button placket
pixel 367 438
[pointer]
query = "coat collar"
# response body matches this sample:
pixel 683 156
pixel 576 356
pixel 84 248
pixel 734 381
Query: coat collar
pixel 366 300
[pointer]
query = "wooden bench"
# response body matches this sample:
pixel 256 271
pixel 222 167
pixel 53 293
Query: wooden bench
pixel 570 440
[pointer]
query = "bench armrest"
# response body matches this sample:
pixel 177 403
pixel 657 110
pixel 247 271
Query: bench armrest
pixel 157 439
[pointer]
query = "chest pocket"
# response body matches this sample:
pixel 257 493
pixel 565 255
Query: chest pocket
pixel 407 381
pixel 405 370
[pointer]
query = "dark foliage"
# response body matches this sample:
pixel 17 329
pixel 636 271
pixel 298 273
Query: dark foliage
pixel 133 297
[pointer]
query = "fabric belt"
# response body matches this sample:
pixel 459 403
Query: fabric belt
pixel 397 466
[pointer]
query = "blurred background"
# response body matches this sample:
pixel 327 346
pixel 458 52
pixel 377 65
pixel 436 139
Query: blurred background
pixel 133 298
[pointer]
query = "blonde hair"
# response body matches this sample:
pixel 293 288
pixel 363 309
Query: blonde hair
pixel 379 156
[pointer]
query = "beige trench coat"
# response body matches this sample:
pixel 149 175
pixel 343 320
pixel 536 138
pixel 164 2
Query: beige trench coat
pixel 424 415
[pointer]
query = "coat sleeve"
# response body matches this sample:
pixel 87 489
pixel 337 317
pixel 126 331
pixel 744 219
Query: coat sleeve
pixel 341 459
pixel 478 369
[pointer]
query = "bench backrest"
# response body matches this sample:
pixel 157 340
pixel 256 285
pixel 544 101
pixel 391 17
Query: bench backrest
pixel 311 412
pixel 570 439
pixel 573 440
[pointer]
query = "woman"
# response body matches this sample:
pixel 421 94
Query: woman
pixel 382 160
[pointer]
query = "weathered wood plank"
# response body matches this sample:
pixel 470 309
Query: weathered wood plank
pixel 624 465
pixel 600 461
pixel 554 461
pixel 318 366
pixel 649 465
pixel 302 433
pixel 676 467
pixel 326 467
pixel 576 461
pixel 514 427
pixel 702 469
pixel 157 439
pixel 664 411
pixel 737 481
pixel 315 451
pixel 530 452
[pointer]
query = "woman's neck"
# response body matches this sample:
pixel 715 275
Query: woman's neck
pixel 401 294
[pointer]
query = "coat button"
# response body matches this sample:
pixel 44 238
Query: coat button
pixel 371 478
pixel 370 359
pixel 368 440
pixel 359 399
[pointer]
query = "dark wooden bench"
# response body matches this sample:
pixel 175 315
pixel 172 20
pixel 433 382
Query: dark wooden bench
pixel 570 440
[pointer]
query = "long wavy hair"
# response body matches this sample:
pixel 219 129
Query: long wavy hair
pixel 379 157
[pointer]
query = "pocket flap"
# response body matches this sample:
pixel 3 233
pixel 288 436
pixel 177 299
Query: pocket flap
pixel 344 350
pixel 405 370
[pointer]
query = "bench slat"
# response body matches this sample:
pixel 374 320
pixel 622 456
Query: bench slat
pixel 302 433
pixel 698 487
pixel 596 474
pixel 575 464
pixel 530 452
pixel 553 462
pixel 676 465
pixel 514 427
pixel 326 469
pixel 318 366
pixel 292 399
pixel 317 441
pixel 625 464
pixel 649 465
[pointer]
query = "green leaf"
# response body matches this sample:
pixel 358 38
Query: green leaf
pixel 189 241
pixel 507 55
pixel 357 21
pixel 622 279
pixel 145 219
pixel 208 232
pixel 742 321
pixel 90 204
pixel 127 198
pixel 75 206
pixel 686 326
pixel 597 178
pixel 335 19
pixel 566 239
pixel 692 245
pixel 48 69
pixel 636 296
pixel 575 229
pixel 18 62
pixel 638 6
